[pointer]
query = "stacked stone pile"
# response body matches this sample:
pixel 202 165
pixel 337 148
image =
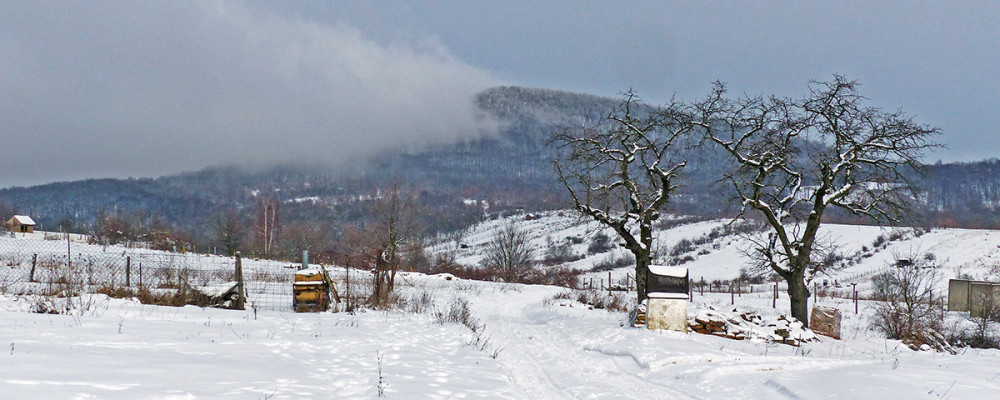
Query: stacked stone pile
pixel 737 325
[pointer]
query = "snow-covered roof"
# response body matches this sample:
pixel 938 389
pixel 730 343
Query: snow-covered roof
pixel 663 270
pixel 667 296
pixel 23 220
pixel 311 271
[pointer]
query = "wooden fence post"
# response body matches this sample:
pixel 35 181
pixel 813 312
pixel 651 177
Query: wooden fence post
pixel 240 302
pixel 128 271
pixel 34 261
pixel 347 278
pixel 69 255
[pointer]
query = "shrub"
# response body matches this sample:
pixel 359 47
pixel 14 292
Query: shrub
pixel 419 304
pixel 556 276
pixel 558 253
pixel 600 243
pixel 907 311
pixel 613 262
pixel 459 312
pixel 599 299
pixel 682 246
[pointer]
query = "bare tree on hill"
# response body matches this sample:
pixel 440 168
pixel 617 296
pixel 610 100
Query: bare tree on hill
pixel 796 158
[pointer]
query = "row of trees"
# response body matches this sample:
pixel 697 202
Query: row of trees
pixel 790 160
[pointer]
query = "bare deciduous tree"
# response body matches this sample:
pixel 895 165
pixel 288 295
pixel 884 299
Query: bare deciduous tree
pixel 795 158
pixel 509 253
pixel 621 172
pixel 230 230
pixel 394 225
pixel 268 226
pixel 300 236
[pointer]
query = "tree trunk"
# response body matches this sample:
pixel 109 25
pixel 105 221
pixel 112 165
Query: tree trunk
pixel 642 262
pixel 798 295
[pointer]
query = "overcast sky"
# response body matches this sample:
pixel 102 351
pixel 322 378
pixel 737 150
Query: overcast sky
pixel 116 89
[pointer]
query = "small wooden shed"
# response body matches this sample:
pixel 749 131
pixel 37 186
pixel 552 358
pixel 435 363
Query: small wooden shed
pixel 21 223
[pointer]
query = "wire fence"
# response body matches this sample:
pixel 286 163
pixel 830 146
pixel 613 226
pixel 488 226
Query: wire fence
pixel 68 264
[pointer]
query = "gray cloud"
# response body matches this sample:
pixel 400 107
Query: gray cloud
pixel 145 88
pixel 95 89
pixel 934 59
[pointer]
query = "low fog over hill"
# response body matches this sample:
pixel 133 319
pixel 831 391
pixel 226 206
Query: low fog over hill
pixel 509 170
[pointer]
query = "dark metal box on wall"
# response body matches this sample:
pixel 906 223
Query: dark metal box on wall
pixel 663 279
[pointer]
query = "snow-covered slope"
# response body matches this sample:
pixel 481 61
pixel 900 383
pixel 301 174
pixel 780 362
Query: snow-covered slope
pixel 721 256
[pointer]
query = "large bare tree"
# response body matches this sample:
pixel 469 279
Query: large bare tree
pixel 621 172
pixel 796 158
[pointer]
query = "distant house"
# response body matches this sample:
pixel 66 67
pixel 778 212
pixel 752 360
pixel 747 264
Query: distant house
pixel 21 223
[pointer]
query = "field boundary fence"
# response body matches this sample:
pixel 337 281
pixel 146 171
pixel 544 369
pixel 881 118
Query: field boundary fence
pixel 67 265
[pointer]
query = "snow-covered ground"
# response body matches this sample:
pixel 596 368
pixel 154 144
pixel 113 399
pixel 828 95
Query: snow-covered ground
pixel 530 343
pixel 530 347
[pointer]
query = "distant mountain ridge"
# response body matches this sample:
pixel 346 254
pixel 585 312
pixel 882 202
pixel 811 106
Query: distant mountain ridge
pixel 512 169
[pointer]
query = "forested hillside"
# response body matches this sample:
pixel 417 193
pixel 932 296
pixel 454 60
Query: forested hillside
pixel 456 184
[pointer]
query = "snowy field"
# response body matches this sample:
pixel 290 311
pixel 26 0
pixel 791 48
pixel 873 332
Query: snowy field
pixel 530 343
pixel 532 347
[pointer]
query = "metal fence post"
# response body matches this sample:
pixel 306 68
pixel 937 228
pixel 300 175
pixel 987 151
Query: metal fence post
pixel 774 296
pixel 128 271
pixel 240 302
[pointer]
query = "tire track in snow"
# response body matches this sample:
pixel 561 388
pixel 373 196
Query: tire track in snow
pixel 546 366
